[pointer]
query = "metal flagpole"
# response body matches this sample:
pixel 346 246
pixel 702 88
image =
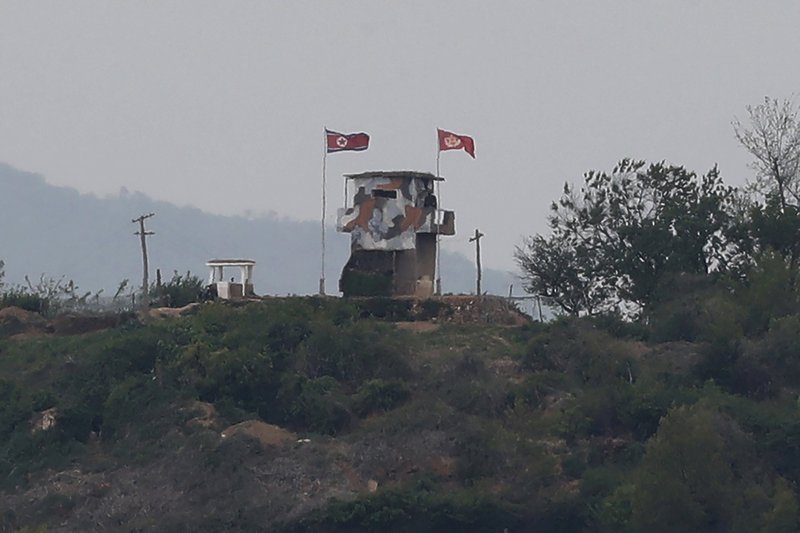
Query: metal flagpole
pixel 324 164
pixel 436 216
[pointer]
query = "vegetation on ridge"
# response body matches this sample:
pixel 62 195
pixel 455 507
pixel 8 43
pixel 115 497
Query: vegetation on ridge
pixel 578 423
pixel 329 415
pixel 620 241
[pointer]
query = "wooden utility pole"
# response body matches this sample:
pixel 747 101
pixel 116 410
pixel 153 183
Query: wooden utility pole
pixel 142 237
pixel 477 240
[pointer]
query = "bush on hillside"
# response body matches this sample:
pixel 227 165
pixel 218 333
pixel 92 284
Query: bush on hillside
pixel 316 405
pixel 24 299
pixel 15 407
pixel 179 291
pixel 701 472
pixel 422 507
pixel 379 395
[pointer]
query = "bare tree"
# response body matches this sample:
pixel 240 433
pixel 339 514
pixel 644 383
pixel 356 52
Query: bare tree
pixel 772 136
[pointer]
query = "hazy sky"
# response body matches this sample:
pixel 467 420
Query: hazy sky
pixel 222 105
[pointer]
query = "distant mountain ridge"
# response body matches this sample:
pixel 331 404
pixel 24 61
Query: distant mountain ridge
pixel 59 232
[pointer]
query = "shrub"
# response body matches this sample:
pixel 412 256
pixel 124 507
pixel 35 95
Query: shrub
pixel 595 412
pixel 590 355
pixel 128 401
pixel 538 356
pixel 76 423
pixel 613 513
pixel 647 403
pixel 537 387
pixel 768 292
pixel 179 291
pixel 24 299
pixel 353 352
pixel 476 453
pixel 781 347
pixel 317 405
pixel 384 308
pixel 616 326
pixel 751 376
pixel 433 309
pixel 418 507
pixel 378 395
pixel 355 283
pixel 15 407
pixel 676 320
pixel 700 472
pixel 242 377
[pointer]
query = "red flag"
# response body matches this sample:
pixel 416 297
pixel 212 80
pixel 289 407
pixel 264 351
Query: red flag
pixel 452 141
pixel 341 142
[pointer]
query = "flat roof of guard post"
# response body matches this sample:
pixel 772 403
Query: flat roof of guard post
pixel 230 262
pixel 394 174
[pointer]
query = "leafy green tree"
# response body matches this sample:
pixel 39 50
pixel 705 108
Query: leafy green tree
pixel 614 239
pixel 780 350
pixel 759 228
pixel 776 227
pixel 701 472
pixel 767 292
pixel 563 274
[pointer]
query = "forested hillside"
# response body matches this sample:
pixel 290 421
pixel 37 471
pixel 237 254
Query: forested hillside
pixel 327 415
pixel 666 397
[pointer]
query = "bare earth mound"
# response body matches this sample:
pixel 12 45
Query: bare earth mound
pixel 266 434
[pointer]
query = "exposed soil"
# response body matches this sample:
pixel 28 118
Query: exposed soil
pixel 20 314
pixel 266 434
pixel 417 327
pixel 170 312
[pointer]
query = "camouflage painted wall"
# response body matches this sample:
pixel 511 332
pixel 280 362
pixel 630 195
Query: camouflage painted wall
pixel 388 212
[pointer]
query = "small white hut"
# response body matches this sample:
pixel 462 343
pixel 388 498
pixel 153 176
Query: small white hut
pixel 229 289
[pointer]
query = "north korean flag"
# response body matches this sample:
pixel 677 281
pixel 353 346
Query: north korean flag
pixel 453 141
pixel 342 142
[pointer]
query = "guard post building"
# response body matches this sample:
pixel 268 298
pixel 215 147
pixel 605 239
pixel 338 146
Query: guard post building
pixel 393 224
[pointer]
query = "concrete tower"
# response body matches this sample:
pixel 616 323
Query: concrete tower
pixel 393 225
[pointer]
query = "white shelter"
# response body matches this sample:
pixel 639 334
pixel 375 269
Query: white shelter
pixel 230 289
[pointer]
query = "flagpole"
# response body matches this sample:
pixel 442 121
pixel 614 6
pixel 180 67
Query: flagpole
pixel 324 201
pixel 436 220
